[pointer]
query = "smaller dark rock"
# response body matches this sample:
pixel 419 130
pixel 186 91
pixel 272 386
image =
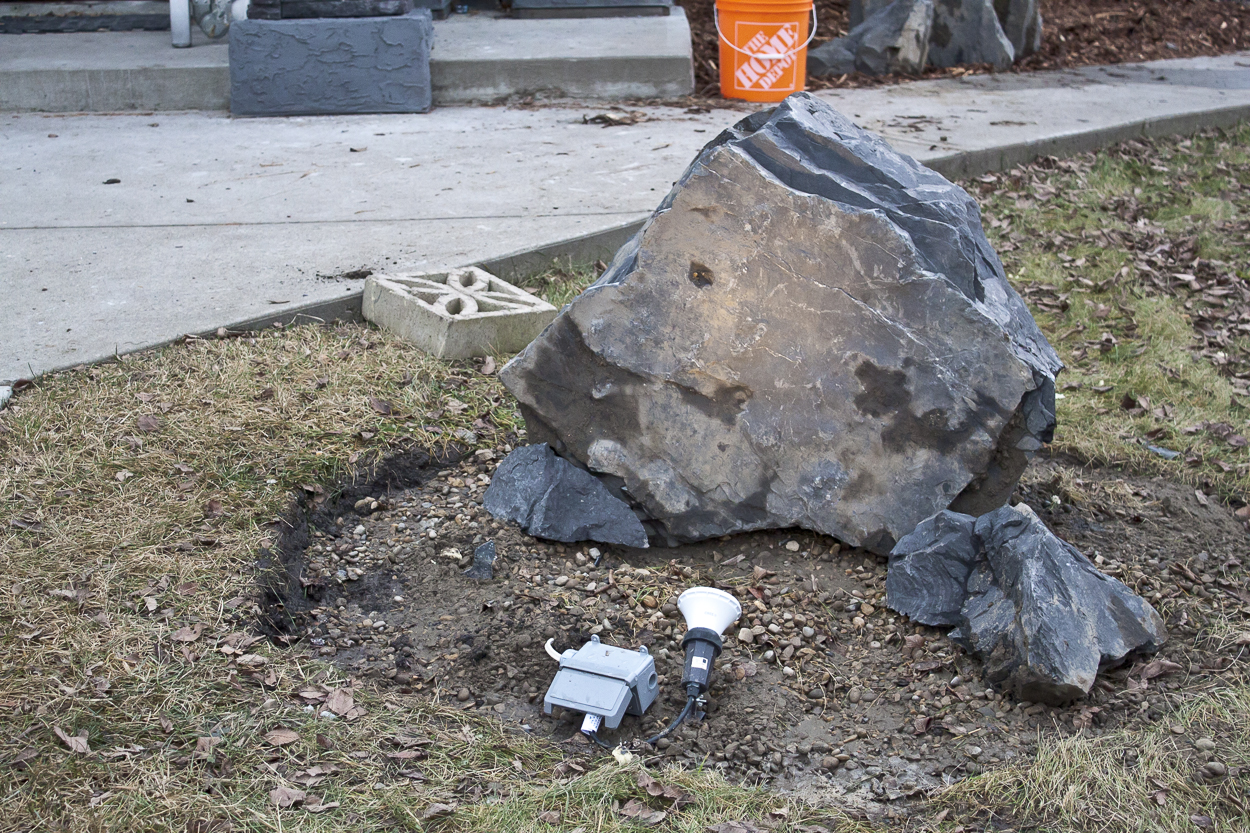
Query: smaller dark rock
pixel 483 568
pixel 551 498
pixel 1042 618
pixel 929 569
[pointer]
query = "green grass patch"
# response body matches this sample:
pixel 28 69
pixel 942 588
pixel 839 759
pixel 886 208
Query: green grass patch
pixel 1135 262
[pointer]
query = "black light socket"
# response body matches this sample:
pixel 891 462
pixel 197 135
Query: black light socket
pixel 702 646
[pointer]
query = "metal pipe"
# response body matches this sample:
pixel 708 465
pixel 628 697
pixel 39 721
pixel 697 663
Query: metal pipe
pixel 180 22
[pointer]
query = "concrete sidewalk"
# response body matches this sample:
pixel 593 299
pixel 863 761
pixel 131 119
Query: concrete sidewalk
pixel 218 221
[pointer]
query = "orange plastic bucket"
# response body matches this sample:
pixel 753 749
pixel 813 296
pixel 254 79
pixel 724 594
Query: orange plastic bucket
pixel 763 47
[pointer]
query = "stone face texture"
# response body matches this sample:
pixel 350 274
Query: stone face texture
pixel 861 10
pixel 968 32
pixel 1041 617
pixel 331 65
pixel 895 38
pixel 302 9
pixel 930 567
pixel 812 330
pixel 551 498
pixel 1022 24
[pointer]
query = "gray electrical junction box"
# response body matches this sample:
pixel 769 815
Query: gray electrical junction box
pixel 604 680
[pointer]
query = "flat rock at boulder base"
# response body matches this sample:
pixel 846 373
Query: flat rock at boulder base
pixel 1041 617
pixel 552 498
pixel 895 38
pixel 810 331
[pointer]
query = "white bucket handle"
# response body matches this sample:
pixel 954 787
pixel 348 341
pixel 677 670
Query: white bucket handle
pixel 763 56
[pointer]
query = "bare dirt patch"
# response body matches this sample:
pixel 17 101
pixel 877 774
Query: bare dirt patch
pixel 832 694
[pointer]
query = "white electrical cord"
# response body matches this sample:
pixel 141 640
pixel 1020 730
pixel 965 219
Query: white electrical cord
pixel 552 652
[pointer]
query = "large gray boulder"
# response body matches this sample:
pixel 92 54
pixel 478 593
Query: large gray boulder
pixel 968 32
pixel 1041 617
pixel 1022 24
pixel 811 330
pixel 551 498
pixel 894 39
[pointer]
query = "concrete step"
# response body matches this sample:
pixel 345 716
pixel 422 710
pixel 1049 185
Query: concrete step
pixel 478 58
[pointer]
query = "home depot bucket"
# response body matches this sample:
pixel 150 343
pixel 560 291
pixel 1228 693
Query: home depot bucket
pixel 763 47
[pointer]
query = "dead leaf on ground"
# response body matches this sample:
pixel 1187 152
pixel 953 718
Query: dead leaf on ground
pixel 204 746
pixel 339 701
pixel 281 737
pixel 641 813
pixel 733 827
pixel 188 633
pixel 149 423
pixel 488 366
pixel 381 406
pixel 286 796
pixel 214 509
pixel 617 118
pixel 209 826
pixel 658 789
pixel 76 743
pixel 19 760
pixel 315 804
pixel 1157 668
pixel 549 817
pixel 435 811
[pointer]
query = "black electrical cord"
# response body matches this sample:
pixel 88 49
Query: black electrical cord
pixel 677 721
pixel 685 712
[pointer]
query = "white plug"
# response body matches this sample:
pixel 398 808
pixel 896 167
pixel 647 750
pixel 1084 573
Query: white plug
pixel 591 723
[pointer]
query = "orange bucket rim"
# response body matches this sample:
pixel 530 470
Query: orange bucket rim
pixel 756 7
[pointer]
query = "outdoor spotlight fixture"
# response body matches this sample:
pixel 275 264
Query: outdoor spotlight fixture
pixel 605 683
pixel 708 613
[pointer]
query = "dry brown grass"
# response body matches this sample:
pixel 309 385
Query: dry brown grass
pixel 129 557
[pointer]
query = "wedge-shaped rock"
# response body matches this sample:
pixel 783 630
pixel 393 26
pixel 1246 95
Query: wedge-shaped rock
pixel 552 498
pixel 812 330
pixel 1022 24
pixel 895 38
pixel 968 32
pixel 1040 616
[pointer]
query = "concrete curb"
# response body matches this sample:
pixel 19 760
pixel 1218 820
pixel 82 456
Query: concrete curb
pixel 987 160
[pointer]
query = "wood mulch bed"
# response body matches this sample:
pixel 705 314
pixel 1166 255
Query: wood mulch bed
pixel 1075 33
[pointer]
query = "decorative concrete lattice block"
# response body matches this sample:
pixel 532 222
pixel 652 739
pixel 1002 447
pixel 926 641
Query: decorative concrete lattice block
pixel 334 65
pixel 456 314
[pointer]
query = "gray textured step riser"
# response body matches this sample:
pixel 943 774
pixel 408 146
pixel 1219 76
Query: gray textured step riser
pixel 454 82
